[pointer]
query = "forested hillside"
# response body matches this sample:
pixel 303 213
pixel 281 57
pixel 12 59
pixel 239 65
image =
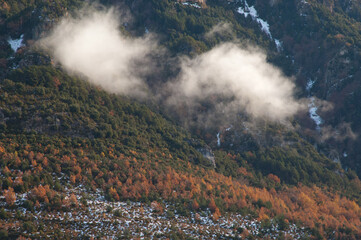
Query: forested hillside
pixel 64 140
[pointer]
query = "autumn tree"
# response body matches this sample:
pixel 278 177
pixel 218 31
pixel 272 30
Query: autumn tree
pixel 73 201
pixel 10 196
pixel 113 194
pixel 157 207
pixel 212 205
pixel 274 178
pixel 216 214
pixel 195 204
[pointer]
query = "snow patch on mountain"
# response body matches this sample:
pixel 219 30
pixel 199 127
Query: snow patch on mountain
pixel 313 114
pixel 191 4
pixel 251 11
pixel 312 108
pixel 278 45
pixel 310 84
pixel 218 139
pixel 96 217
pixel 15 44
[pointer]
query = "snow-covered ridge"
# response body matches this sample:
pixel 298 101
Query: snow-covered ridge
pixel 251 11
pixel 16 43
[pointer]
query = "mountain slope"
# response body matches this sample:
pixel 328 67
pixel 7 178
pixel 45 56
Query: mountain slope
pixel 323 39
pixel 60 133
pixel 52 136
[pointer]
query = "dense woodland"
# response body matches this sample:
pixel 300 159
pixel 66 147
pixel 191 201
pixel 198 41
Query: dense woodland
pixel 58 131
pixel 52 128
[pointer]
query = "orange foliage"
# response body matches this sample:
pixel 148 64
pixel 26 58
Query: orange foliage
pixel 157 207
pixel 242 171
pixel 31 155
pixel 216 214
pixel 195 204
pixel 212 206
pixel 73 200
pixel 56 82
pixel 17 161
pixel 33 163
pixel 72 179
pixel 19 181
pixel 2 149
pixel 306 204
pixel 10 196
pixel 262 215
pixel 274 178
pixel 136 178
pixel 45 162
pixel 6 170
pixel 42 193
pixel 113 193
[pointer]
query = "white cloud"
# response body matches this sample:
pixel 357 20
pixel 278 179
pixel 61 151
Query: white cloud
pixel 93 45
pixel 221 29
pixel 240 74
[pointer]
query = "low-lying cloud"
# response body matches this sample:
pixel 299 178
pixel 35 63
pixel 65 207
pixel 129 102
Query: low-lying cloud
pixel 243 75
pixel 221 29
pixel 93 45
pixel 339 133
pixel 239 79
